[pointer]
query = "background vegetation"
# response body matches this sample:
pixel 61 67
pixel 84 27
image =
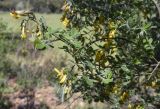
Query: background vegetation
pixel 107 51
pixel 42 6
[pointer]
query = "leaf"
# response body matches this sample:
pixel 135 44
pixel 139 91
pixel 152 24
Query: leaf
pixel 88 81
pixel 150 40
pixel 107 81
pixel 39 44
pixel 88 65
pixel 126 83
pixel 43 24
pixel 108 76
pixel 77 44
pixel 51 45
pixel 49 29
pixel 147 26
pixel 107 73
pixel 125 69
pixel 66 49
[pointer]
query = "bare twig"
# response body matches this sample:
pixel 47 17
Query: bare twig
pixel 154 70
pixel 155 59
pixel 73 102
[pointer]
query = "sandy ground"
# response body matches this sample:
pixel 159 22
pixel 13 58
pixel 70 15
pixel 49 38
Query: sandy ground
pixel 40 98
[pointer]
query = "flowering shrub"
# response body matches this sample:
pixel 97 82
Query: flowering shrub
pixel 114 46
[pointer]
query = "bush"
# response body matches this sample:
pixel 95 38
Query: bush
pixel 113 45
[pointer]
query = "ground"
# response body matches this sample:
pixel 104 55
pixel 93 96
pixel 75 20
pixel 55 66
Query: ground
pixel 34 98
pixel 44 98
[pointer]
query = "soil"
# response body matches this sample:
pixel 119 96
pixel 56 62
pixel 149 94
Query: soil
pixel 42 98
pixel 37 98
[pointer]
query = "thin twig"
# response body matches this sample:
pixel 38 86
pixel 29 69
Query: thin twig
pixel 154 70
pixel 155 59
pixel 73 102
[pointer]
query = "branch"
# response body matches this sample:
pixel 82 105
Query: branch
pixel 157 6
pixel 154 70
pixel 73 101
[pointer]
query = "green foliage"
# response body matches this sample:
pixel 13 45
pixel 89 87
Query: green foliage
pixel 6 46
pixel 112 43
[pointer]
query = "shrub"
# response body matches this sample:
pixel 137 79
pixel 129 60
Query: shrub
pixel 113 45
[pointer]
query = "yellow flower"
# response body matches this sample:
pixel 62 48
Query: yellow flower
pixel 153 84
pixel 67 90
pixel 124 96
pixel 18 14
pixel 63 79
pixel 99 55
pixel 61 76
pixel 39 33
pixel 107 44
pixel 23 35
pixel 114 49
pixel 65 22
pixel 112 33
pixel 15 15
pixel 111 25
pixel 116 89
pixel 59 73
pixel 139 107
pixel 129 106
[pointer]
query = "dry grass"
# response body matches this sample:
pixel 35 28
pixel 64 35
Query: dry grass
pixel 52 20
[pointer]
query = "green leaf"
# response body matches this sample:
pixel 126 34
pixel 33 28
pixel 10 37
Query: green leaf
pixel 88 81
pixel 125 69
pixel 39 45
pixel 107 81
pixel 77 44
pixel 126 83
pixel 147 26
pixel 107 73
pixel 108 77
pixel 66 49
pixel 150 40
